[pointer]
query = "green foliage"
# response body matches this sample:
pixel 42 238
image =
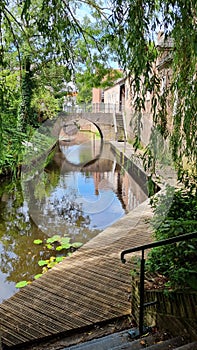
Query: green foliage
pixel 93 59
pixel 22 284
pixel 53 239
pixel 94 76
pixel 44 104
pixel 176 261
pixel 135 25
pixel 37 241
pixel 11 145
pixel 10 134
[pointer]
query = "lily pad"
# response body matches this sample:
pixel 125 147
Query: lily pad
pixel 37 241
pixel 49 246
pixel 37 276
pixel 55 238
pixel 64 246
pixel 64 240
pixel 43 262
pixel 21 284
pixel 77 244
pixel 60 259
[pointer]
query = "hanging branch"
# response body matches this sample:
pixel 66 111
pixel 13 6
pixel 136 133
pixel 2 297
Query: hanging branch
pixel 81 30
pixel 15 42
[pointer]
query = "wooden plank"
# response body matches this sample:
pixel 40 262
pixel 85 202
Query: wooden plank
pixel 48 324
pixel 89 287
pixel 89 282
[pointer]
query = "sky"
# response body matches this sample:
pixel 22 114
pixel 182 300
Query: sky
pixel 83 11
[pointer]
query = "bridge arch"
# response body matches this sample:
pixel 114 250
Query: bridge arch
pixel 86 124
pixel 104 122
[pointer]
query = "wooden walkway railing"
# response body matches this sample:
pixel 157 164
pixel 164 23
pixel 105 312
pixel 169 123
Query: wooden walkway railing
pixel 90 287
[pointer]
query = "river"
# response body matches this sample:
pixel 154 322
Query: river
pixel 78 194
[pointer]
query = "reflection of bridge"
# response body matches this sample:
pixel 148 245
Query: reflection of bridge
pixel 109 173
pixel 99 162
pixel 111 126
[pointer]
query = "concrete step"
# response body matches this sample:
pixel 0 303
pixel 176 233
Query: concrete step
pixel 122 341
pixel 119 120
pixel 105 343
pixel 189 346
pixel 120 124
pixel 143 343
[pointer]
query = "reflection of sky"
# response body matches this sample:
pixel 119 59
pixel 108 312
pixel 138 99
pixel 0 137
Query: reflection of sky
pixel 103 208
pixel 78 154
pixel 86 187
pixel 7 289
pixel 108 215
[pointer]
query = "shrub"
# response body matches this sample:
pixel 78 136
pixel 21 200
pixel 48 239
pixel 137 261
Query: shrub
pixel 175 261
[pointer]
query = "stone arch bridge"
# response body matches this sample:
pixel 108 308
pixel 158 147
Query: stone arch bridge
pixel 109 125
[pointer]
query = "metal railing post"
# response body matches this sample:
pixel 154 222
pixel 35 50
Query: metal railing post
pixel 141 313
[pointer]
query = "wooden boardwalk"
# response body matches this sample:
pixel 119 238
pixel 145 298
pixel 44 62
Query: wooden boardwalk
pixel 90 287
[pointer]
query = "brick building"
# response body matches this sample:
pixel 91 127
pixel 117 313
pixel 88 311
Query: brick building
pixel 121 95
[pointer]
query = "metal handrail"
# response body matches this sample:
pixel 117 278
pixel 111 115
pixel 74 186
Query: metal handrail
pixel 95 107
pixel 142 248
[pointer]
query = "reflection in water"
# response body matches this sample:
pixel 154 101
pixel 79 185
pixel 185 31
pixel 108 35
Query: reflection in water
pixel 78 194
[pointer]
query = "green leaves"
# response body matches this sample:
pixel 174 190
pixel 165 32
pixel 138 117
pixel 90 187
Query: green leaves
pixel 53 239
pixel 60 259
pixel 176 261
pixel 26 6
pixel 58 243
pixel 37 241
pixel 22 284
pixel 77 244
pixel 43 262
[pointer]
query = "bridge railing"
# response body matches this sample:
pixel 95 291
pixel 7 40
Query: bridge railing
pixel 94 108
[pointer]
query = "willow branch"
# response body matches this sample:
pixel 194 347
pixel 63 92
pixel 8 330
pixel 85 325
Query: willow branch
pixel 15 20
pixel 15 42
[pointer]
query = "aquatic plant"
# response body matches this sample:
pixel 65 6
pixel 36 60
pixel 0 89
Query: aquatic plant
pixel 55 244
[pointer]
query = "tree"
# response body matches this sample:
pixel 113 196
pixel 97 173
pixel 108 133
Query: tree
pixel 40 39
pixel 135 26
pixel 98 76
pixel 46 30
pixel 43 32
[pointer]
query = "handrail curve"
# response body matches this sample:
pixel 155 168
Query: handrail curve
pixel 142 248
pixel 179 238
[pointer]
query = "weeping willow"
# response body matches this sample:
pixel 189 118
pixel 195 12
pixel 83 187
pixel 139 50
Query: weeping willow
pixel 51 29
pixel 136 25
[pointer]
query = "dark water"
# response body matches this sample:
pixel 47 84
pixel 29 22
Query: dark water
pixel 79 193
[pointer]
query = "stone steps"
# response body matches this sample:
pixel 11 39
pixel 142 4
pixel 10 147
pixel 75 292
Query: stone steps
pixel 121 132
pixel 122 341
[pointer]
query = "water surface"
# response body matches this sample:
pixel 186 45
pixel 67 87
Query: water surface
pixel 79 193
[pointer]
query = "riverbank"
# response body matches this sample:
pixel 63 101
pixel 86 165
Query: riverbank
pixel 165 172
pixel 95 290
pixel 92 287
